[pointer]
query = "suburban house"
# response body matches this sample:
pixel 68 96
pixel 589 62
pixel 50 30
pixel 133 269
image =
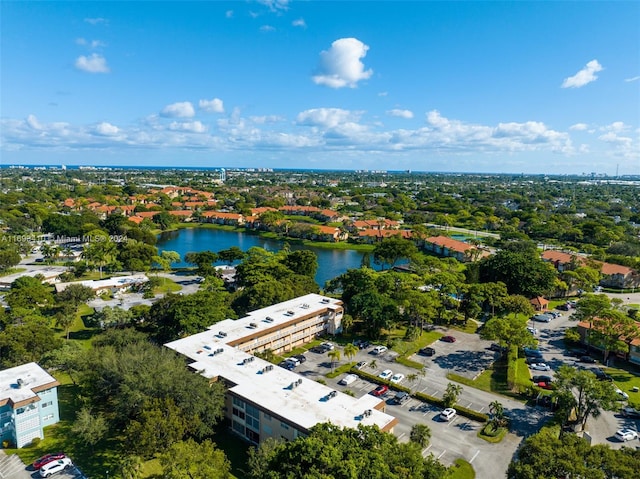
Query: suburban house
pixel 376 235
pixel 614 275
pixel 263 400
pixel 28 403
pixel 449 247
pixel 634 344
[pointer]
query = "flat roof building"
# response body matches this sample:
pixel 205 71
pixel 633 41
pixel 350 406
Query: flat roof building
pixel 28 403
pixel 264 400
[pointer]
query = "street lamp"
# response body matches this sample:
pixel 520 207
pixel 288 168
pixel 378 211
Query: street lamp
pixel 107 473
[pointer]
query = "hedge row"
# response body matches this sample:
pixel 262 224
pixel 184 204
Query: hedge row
pixel 463 411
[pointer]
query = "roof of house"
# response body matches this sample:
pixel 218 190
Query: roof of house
pixel 566 258
pixel 385 233
pixel 450 243
pixel 19 385
pixel 588 325
pixel 539 301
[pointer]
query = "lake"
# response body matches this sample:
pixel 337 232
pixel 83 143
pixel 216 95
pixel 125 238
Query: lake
pixel 331 263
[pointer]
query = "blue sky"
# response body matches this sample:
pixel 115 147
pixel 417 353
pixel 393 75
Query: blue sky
pixel 504 87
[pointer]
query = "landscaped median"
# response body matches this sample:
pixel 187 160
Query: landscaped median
pixel 463 411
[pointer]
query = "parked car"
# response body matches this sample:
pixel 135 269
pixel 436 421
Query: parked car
pixel 379 350
pixel 448 414
pixel 380 390
pixel 448 339
pixel 287 365
pixel 361 364
pixel 427 351
pixel 54 467
pixel 328 346
pixel 47 458
pixel 626 435
pixel 601 375
pixel 630 412
pixel 578 353
pixel 497 347
pixel 540 366
pixel 401 397
pixel 544 385
pixel 542 318
pixel 542 379
pixel 293 360
pixel 532 360
pixel 300 357
pixel 348 379
pixel 530 352
pixel 386 374
pixel 622 396
pixel 396 378
pixel 587 359
pixel 533 331
pixel 564 307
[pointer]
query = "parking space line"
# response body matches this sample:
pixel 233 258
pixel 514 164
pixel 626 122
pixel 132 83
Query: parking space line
pixel 401 436
pixel 474 456
pixel 469 405
pixel 442 454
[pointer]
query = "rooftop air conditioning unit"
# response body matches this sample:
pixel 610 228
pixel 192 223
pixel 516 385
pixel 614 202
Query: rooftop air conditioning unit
pixel 222 334
pixel 325 300
pixel 253 325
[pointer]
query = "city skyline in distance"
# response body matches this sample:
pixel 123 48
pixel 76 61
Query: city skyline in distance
pixel 478 87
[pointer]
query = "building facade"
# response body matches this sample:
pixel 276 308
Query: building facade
pixel 28 403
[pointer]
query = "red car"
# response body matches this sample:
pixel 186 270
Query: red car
pixel 47 458
pixel 380 390
pixel 448 339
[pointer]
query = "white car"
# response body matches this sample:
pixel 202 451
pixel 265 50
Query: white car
pixel 386 374
pixel 379 349
pixel 348 379
pixel 396 378
pixel 55 467
pixel 622 396
pixel 533 331
pixel 540 367
pixel 361 364
pixel 626 435
pixel 448 414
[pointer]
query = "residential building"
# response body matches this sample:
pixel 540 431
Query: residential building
pixel 449 247
pixel 632 341
pixel 264 400
pixel 28 403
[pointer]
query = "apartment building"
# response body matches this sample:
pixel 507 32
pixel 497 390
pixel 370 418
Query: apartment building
pixel 264 400
pixel 28 403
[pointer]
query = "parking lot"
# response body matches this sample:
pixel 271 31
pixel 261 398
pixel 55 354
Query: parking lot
pixel 11 467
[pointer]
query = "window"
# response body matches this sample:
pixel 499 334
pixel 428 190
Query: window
pixel 284 425
pixel 47 417
pixel 238 402
pixel 267 417
pixel 237 427
pixel 267 429
pixel 47 404
pixel 237 412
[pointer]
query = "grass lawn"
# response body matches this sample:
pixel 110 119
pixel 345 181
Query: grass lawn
pixel 12 271
pixel 165 285
pixel 495 436
pixel 407 348
pixel 461 469
pixel 626 381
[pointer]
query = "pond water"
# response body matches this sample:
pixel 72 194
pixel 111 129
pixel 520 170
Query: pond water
pixel 331 263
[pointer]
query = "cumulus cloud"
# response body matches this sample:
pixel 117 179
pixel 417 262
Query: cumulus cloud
pixel 182 109
pixel 33 122
pixel 190 126
pixel 267 28
pixel 275 5
pixel 341 65
pixel 299 23
pixel 326 117
pixel 400 113
pixel 632 79
pixel 584 76
pixel 93 63
pixel 107 129
pixel 212 106
pixel 579 127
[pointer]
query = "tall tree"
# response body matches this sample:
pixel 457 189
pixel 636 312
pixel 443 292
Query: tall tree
pixel 192 460
pixel 390 250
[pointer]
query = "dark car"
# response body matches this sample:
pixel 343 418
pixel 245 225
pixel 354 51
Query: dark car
pixel 542 379
pixel 564 307
pixel 533 353
pixel 577 353
pixel 587 359
pixel 497 347
pixel 300 357
pixel 287 365
pixel 630 412
pixel 427 351
pixel 401 397
pixel 448 339
pixel 601 375
pixel 47 458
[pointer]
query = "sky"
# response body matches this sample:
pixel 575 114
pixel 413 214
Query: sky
pixel 540 87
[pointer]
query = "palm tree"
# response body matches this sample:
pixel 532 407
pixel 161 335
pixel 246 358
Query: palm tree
pixel 451 395
pixel 420 434
pixel 412 378
pixel 334 355
pixel 497 414
pixel 350 351
pixel 373 364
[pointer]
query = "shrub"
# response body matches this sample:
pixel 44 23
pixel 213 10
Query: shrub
pixel 35 441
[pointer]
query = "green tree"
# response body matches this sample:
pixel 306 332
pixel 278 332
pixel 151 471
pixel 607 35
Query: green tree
pixel 420 434
pixel 90 428
pixel 131 467
pixel 230 255
pixel 497 414
pixel 523 272
pixel 28 340
pixel 75 295
pixel 166 259
pixel 28 292
pixel 188 459
pixel 509 331
pixel 65 318
pixel 451 394
pixel 390 250
pixel 303 262
pixel 350 351
pixel 334 355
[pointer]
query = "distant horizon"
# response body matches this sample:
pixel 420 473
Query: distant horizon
pixel 523 87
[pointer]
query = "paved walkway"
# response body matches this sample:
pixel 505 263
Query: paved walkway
pixel 11 467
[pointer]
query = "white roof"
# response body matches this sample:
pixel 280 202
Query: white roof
pixel 115 282
pixel 31 375
pixel 296 399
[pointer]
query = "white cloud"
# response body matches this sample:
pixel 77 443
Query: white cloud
pixel 326 117
pixel 228 14
pixel 584 76
pixel 212 106
pixel 182 109
pixel 299 23
pixel 191 126
pixel 33 122
pixel 264 119
pixel 632 79
pixel 340 66
pixel 267 28
pixel 93 63
pixel 107 129
pixel 616 126
pixel 275 5
pixel 400 113
pixel 96 21
pixel 579 127
pixel 383 93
